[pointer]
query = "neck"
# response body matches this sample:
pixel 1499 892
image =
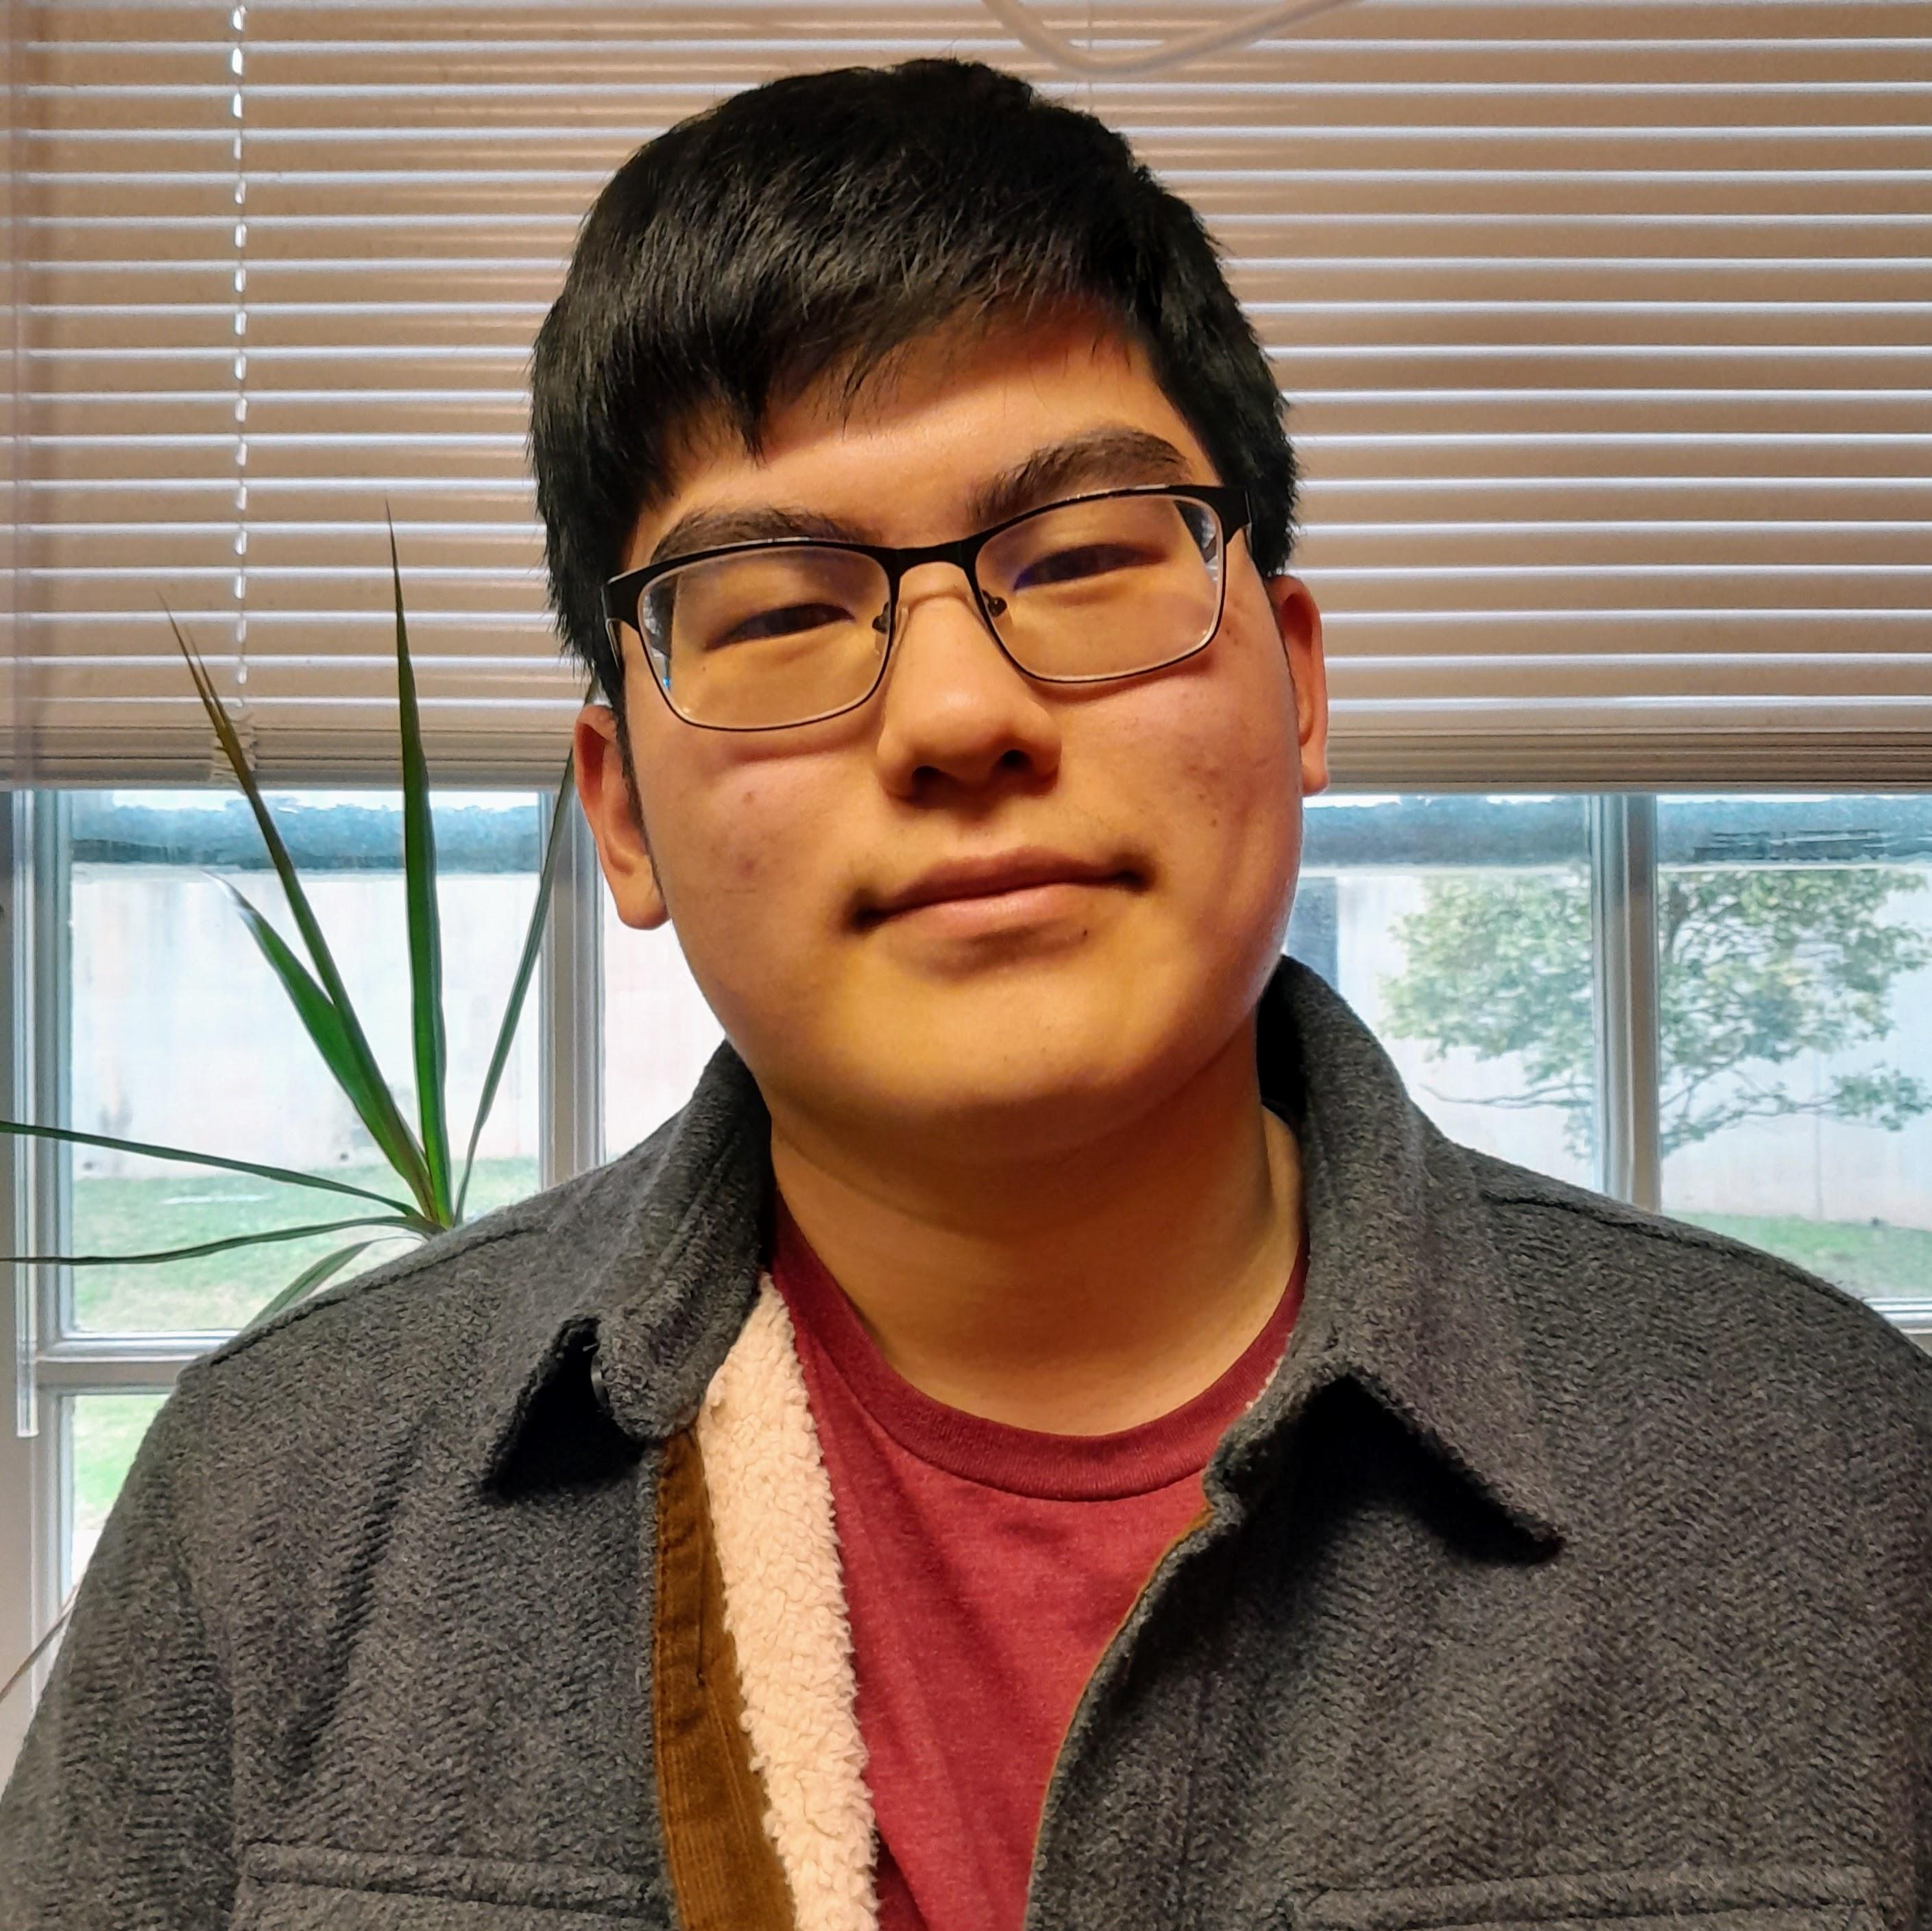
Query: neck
pixel 1079 1296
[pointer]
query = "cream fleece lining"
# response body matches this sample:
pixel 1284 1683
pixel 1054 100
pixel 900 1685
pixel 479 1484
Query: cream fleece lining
pixel 784 1605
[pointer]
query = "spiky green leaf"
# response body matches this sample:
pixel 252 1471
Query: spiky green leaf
pixel 286 1176
pixel 203 1247
pixel 426 1023
pixel 397 1141
pixel 310 1277
pixel 322 1020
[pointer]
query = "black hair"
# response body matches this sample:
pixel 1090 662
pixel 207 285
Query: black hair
pixel 808 228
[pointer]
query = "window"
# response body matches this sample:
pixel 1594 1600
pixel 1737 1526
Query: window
pixel 1788 997
pixel 1396 894
pixel 180 1034
pixel 658 1030
pixel 1794 1007
pixel 1459 928
pixel 1471 933
pixel 156 1019
pixel 98 1435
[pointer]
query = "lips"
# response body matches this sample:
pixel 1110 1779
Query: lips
pixel 987 877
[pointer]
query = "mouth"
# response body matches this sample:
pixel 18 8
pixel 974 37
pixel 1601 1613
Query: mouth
pixel 1020 877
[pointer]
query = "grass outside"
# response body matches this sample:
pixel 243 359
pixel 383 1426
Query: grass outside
pixel 106 1431
pixel 1871 1258
pixel 219 1292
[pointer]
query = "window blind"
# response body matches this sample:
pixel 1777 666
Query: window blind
pixel 1606 330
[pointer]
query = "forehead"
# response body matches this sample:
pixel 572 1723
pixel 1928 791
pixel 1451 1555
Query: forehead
pixel 952 431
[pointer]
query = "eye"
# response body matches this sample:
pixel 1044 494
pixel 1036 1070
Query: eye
pixel 787 621
pixel 1068 566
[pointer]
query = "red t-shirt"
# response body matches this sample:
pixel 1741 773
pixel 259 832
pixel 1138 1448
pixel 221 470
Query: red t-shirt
pixel 986 1567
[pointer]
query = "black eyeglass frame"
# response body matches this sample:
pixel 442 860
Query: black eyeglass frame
pixel 624 594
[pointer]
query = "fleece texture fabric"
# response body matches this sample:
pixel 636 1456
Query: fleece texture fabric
pixel 1572 1569
pixel 771 1511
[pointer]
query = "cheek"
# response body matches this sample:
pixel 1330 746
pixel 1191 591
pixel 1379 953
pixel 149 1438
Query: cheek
pixel 728 848
pixel 740 851
pixel 743 832
pixel 1230 762
pixel 1219 786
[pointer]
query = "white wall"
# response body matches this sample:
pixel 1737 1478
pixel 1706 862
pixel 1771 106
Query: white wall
pixel 183 1035
pixel 658 1030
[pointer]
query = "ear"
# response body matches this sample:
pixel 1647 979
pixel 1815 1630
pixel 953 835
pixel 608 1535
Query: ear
pixel 611 810
pixel 1299 623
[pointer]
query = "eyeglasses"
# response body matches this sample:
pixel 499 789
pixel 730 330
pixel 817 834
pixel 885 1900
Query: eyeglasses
pixel 757 636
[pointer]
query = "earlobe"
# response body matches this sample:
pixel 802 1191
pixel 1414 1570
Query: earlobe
pixel 611 810
pixel 1299 622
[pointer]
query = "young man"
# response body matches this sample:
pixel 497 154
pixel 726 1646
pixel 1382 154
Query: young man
pixel 1050 1435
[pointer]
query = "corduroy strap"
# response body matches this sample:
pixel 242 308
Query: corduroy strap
pixel 723 1867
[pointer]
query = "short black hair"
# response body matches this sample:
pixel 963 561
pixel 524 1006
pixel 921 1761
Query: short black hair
pixel 810 227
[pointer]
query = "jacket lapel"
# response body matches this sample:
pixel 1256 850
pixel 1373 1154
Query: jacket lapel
pixel 780 1738
pixel 723 1866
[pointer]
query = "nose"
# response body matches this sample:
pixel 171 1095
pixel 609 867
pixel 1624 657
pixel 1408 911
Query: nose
pixel 957 714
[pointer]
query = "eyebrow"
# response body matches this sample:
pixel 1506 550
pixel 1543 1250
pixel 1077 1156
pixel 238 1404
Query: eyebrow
pixel 713 529
pixel 1113 456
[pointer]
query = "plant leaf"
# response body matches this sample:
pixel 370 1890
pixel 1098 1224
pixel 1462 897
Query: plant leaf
pixel 287 1175
pixel 425 924
pixel 323 1021
pixel 407 1158
pixel 506 1033
pixel 310 1277
pixel 208 1246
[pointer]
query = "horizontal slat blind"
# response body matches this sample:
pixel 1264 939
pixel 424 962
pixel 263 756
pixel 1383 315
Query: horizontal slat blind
pixel 1607 330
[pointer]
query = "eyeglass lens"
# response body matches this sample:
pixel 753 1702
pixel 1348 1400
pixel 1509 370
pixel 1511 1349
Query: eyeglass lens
pixel 1085 591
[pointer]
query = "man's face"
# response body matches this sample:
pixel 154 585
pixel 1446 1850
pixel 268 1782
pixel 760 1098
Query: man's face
pixel 1165 810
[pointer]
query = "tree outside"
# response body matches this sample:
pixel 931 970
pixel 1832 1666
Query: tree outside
pixel 1759 965
pixel 1779 987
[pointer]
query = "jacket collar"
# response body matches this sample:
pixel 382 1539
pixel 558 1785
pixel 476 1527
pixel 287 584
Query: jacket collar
pixel 1405 1294
pixel 663 1247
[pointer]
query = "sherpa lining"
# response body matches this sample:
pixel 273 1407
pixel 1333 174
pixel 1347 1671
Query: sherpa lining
pixel 784 1606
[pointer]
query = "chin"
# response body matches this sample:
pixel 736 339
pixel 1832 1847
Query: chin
pixel 1035 1063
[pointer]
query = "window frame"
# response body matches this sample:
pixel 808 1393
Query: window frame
pixel 34 1014
pixel 1624 996
pixel 35 1008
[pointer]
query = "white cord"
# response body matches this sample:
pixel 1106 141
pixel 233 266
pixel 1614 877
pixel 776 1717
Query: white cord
pixel 1018 20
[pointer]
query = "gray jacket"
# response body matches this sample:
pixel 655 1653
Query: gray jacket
pixel 1573 1568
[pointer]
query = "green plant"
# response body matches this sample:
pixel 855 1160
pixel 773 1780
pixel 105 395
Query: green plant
pixel 420 1156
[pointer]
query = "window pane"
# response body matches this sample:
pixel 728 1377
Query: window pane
pixel 102 1433
pixel 181 1035
pixel 1795 998
pixel 658 1030
pixel 1458 928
